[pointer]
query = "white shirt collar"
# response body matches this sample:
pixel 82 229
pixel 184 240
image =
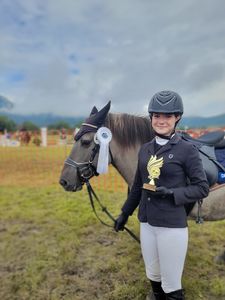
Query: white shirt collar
pixel 162 141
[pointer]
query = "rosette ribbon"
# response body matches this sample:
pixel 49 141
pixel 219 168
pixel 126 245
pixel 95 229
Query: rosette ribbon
pixel 103 137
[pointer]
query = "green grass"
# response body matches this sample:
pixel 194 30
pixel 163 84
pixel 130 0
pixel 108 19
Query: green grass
pixel 52 247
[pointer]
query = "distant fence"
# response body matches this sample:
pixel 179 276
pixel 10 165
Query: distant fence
pixel 60 137
pixel 41 166
pixel 24 137
pixel 30 164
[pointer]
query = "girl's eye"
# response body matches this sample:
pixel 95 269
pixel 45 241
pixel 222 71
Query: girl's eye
pixel 156 116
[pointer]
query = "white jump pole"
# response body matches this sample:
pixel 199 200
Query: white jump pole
pixel 44 140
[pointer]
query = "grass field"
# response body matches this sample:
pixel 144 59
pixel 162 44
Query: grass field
pixel 52 247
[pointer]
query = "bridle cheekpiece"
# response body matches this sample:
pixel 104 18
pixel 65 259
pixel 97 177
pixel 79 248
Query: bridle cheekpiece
pixel 86 169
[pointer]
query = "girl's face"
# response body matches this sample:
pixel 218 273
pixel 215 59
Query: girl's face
pixel 164 123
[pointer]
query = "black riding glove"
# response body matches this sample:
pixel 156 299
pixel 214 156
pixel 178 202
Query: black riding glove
pixel 120 222
pixel 162 191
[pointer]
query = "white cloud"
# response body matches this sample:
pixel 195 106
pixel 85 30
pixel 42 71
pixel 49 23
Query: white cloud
pixel 76 54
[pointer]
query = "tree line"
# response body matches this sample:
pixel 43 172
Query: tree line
pixel 7 124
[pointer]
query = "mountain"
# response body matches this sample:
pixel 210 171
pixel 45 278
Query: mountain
pixel 42 120
pixel 199 122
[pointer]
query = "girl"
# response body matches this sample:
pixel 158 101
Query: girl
pixel 181 180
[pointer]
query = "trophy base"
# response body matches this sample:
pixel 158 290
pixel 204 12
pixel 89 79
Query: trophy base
pixel 149 187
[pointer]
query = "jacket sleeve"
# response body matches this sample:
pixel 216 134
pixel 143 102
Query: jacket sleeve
pixel 198 187
pixel 135 194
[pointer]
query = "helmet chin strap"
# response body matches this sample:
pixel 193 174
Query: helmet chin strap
pixel 165 137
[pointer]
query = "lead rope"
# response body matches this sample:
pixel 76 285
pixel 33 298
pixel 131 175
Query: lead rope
pixel 91 193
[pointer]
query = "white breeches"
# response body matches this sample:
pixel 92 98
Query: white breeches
pixel 164 251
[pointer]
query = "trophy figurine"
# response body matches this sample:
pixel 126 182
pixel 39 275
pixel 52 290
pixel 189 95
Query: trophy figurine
pixel 153 168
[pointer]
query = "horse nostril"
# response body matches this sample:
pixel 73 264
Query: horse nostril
pixel 63 182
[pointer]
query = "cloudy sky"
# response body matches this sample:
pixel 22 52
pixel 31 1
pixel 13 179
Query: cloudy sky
pixel 65 56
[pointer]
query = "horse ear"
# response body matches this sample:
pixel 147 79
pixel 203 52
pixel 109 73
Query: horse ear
pixel 93 111
pixel 105 109
pixel 98 117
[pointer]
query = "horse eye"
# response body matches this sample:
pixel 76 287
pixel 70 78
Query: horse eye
pixel 85 142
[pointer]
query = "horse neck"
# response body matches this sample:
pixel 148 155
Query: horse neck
pixel 129 133
pixel 125 161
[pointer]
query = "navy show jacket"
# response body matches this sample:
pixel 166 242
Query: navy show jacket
pixel 181 161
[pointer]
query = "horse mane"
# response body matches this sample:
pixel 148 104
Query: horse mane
pixel 129 130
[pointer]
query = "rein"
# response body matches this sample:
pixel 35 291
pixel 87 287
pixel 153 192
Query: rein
pixel 92 194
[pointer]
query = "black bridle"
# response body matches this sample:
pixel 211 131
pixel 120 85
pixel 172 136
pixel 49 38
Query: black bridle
pixel 86 169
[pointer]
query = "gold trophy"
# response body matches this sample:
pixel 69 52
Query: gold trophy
pixel 153 168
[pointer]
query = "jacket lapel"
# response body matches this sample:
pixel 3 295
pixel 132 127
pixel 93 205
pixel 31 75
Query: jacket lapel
pixel 164 148
pixel 151 148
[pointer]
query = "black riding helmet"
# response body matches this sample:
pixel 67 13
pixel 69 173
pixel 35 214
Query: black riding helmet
pixel 167 102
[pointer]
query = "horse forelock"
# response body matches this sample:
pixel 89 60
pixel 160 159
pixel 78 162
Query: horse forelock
pixel 129 130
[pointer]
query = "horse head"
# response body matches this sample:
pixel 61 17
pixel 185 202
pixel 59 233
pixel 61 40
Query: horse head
pixel 81 164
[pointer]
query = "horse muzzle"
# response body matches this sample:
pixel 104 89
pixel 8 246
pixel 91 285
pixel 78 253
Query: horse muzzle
pixel 70 179
pixel 75 174
pixel 68 186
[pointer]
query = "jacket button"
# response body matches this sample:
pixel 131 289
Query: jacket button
pixel 149 198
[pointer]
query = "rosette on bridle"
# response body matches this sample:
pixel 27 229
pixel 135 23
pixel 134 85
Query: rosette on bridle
pixel 103 137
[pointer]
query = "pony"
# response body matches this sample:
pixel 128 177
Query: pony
pixel 129 132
